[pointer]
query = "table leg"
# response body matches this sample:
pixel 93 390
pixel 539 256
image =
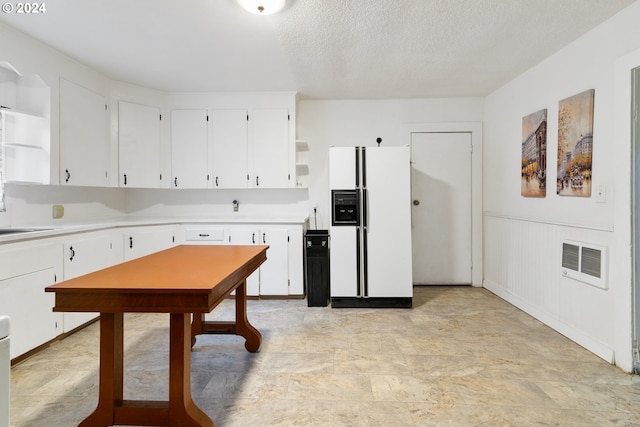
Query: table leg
pixel 243 327
pixel 111 370
pixel 182 410
pixel 196 326
pixel 240 327
pixel 113 410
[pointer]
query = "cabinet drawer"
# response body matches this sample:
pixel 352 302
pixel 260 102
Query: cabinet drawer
pixel 196 235
pixel 16 261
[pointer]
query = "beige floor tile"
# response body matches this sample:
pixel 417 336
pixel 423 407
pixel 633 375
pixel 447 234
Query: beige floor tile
pixel 502 392
pixel 460 357
pixel 335 387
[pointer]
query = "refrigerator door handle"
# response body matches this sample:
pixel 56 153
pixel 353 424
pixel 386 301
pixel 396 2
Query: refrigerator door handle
pixel 364 167
pixel 357 156
pixel 365 260
pixel 365 212
pixel 365 266
pixel 358 256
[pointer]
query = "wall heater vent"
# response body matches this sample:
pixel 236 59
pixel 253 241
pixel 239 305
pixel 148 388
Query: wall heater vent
pixel 584 262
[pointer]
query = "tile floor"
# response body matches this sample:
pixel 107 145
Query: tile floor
pixel 460 357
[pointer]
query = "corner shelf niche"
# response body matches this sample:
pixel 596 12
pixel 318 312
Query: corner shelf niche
pixel 302 167
pixel 302 148
pixel 25 132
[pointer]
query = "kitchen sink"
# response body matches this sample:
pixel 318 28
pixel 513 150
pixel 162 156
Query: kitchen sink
pixel 4 231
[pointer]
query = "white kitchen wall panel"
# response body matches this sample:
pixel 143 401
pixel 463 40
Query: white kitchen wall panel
pixel 522 260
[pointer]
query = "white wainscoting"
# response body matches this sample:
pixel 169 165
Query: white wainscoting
pixel 522 260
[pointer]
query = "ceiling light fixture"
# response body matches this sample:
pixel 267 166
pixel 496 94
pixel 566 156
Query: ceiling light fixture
pixel 262 7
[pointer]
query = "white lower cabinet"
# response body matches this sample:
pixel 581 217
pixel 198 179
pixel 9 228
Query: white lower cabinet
pixel 246 236
pixel 84 254
pixel 296 260
pixel 281 274
pixel 274 273
pixel 25 270
pixel 145 240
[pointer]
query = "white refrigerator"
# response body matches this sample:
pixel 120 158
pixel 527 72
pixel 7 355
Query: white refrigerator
pixel 370 251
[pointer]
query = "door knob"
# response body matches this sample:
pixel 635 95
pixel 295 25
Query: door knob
pixel 416 202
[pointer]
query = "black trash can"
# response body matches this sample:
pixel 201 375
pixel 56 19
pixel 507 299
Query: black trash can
pixel 316 247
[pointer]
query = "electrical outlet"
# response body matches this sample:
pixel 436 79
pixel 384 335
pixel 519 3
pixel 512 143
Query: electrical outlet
pixel 58 211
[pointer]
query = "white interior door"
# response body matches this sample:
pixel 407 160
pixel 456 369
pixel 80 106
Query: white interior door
pixel 441 207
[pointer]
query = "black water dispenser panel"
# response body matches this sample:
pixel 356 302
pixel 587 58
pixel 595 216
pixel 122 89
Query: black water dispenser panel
pixel 345 207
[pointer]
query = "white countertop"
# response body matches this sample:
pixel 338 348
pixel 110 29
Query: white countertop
pixel 134 221
pixel 5 326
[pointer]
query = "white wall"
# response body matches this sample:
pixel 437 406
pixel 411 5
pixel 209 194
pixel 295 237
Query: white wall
pixel 32 205
pixel 523 235
pixel 349 123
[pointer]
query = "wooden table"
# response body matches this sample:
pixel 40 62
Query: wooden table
pixel 182 281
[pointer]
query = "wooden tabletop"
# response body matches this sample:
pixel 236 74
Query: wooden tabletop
pixel 183 279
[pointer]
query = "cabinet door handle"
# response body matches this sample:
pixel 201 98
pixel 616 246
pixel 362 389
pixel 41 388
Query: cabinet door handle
pixel 175 181
pixel 253 238
pixel 68 175
pixel 216 181
pixel 257 180
pixel 72 252
pixel 264 237
pixel 125 179
pixel 131 242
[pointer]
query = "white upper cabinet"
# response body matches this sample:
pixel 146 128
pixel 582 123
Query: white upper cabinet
pixel 229 148
pixel 269 148
pixel 84 136
pixel 139 146
pixel 189 149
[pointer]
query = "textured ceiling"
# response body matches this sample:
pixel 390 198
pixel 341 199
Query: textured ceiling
pixel 332 49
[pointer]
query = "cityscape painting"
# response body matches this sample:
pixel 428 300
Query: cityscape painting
pixel 534 155
pixel 575 145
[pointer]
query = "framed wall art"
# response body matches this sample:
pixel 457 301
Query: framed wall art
pixel 533 176
pixel 575 145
